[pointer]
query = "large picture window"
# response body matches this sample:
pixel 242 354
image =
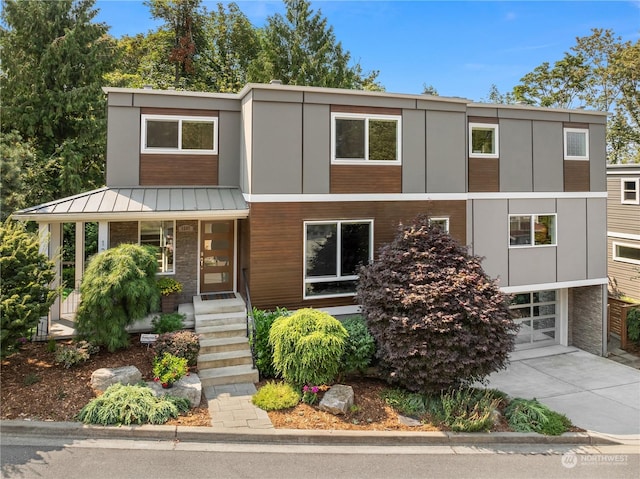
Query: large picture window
pixel 532 230
pixel 333 252
pixel 358 138
pixel 166 134
pixel 160 235
pixel 483 140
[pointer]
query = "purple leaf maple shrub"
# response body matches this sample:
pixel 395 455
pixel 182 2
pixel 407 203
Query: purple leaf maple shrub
pixel 438 320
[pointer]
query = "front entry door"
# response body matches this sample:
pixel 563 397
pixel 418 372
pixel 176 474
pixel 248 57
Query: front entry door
pixel 216 256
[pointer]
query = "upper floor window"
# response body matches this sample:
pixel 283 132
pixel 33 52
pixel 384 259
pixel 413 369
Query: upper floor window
pixel 576 144
pixel 630 191
pixel 160 235
pixel 358 138
pixel 333 252
pixel 441 222
pixel 532 230
pixel 483 140
pixel 170 134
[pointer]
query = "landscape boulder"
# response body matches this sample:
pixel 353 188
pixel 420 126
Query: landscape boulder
pixel 102 378
pixel 188 387
pixel 337 400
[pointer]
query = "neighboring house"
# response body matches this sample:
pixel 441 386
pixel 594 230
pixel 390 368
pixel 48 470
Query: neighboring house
pixel 623 228
pixel 293 187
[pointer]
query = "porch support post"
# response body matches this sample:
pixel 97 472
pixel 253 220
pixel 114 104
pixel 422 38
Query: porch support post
pixel 55 253
pixel 103 235
pixel 79 254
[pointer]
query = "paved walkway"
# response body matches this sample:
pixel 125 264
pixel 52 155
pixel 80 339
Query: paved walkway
pixel 231 408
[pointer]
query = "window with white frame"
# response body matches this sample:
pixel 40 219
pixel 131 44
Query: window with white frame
pixel 483 140
pixel 626 253
pixel 171 134
pixel 630 191
pixel 576 144
pixel 333 252
pixel 160 235
pixel 441 222
pixel 532 230
pixel 358 138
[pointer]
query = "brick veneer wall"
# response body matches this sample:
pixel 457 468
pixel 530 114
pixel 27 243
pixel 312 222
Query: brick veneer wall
pixel 586 323
pixel 187 259
pixel 123 232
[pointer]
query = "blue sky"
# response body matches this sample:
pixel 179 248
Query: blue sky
pixel 459 47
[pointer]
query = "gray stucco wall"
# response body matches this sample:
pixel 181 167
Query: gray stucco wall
pixel 229 153
pixel 490 237
pixel 246 145
pixel 532 265
pixel 123 146
pixel 414 166
pixel 316 149
pixel 548 167
pixel 277 148
pixel 516 157
pixel 572 239
pixel 446 153
pixel 597 237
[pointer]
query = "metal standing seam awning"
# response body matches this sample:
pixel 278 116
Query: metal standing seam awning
pixel 142 203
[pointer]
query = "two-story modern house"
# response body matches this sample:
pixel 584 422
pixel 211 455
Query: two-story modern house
pixel 287 189
pixel 623 228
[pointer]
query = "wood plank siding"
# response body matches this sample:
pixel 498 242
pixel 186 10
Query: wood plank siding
pixel 621 218
pixel 484 175
pixel 276 244
pixel 624 274
pixel 366 179
pixel 576 175
pixel 178 170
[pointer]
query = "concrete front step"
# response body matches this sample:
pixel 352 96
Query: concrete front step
pixel 222 360
pixel 230 305
pixel 217 319
pixel 221 345
pixel 222 331
pixel 228 375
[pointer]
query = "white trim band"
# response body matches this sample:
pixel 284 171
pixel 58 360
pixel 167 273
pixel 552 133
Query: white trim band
pixel 560 285
pixel 627 236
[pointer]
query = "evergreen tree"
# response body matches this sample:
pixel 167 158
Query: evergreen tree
pixel 26 294
pixel 54 58
pixel 300 48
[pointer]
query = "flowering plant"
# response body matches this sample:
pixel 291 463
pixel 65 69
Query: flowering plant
pixel 168 285
pixel 167 369
pixel 310 394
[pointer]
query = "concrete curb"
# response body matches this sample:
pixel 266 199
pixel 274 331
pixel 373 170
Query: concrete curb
pixel 76 430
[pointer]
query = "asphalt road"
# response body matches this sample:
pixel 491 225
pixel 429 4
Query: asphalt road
pixel 28 457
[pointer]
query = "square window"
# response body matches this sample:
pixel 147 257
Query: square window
pixel 333 252
pixel 360 138
pixel 483 140
pixel 576 144
pixel 630 191
pixel 442 223
pixel 532 230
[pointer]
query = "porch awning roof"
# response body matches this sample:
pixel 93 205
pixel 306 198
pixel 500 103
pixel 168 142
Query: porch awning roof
pixel 134 203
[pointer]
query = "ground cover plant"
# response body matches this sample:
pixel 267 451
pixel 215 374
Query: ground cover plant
pixel 438 320
pixel 529 415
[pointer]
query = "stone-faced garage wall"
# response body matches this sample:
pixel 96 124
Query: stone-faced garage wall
pixel 586 323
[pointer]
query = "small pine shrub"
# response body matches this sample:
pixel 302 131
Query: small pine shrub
pixel 75 353
pixel 633 324
pixel 183 344
pixel 260 342
pixel 529 415
pixel 468 410
pixel 168 322
pixel 127 405
pixel 359 347
pixel 307 347
pixel 276 395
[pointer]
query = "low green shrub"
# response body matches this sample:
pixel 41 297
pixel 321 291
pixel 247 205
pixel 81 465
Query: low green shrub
pixel 276 395
pixel 168 369
pixel 183 344
pixel 260 342
pixel 633 324
pixel 529 415
pixel 75 353
pixel 307 347
pixel 406 403
pixel 168 322
pixel 131 405
pixel 359 347
pixel 468 409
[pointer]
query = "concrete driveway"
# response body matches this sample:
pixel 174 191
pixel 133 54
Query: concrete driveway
pixel 596 393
